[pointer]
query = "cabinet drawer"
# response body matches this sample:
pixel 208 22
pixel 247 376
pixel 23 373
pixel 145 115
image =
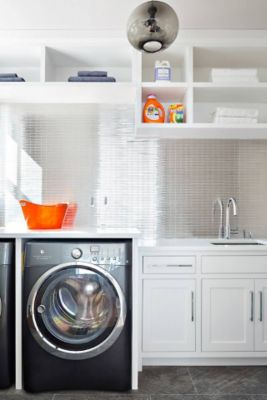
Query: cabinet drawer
pixel 234 264
pixel 169 264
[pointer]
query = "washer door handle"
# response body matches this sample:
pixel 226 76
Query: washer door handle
pixel 41 309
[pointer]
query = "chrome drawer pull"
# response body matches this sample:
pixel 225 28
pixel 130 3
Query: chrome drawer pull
pixel 251 306
pixel 171 265
pixel 180 265
pixel 192 307
pixel 261 306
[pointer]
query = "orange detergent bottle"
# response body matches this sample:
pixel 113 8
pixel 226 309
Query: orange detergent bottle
pixel 153 110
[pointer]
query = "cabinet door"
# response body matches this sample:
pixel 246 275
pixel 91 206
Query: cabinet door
pixel 168 315
pixel 228 315
pixel 261 315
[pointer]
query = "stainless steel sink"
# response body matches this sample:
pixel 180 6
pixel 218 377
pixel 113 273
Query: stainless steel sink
pixel 237 243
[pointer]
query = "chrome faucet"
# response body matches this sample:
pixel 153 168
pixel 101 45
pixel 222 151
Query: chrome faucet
pixel 231 200
pixel 221 207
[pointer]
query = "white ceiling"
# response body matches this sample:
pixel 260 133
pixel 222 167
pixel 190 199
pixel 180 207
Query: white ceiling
pixel 112 14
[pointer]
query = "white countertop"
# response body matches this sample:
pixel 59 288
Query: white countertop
pixel 108 233
pixel 201 244
pixel 162 244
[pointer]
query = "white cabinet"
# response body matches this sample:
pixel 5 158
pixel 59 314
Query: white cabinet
pixel 261 315
pixel 169 264
pixel 225 290
pixel 228 315
pixel 234 315
pixel 168 315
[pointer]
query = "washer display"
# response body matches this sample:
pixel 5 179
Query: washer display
pixel 77 313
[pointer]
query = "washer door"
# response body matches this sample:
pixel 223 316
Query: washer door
pixel 76 310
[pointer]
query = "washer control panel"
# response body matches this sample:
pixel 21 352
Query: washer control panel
pixel 107 254
pixel 100 254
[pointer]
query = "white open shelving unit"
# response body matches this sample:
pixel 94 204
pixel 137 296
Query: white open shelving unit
pixel 46 70
pixel 47 65
pixel 191 85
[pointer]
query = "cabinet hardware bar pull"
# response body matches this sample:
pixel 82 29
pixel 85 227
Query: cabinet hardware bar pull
pixel 261 306
pixel 192 306
pixel 180 265
pixel 251 306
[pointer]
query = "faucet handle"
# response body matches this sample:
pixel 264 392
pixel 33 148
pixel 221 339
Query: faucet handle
pixel 220 204
pixel 247 235
pixel 234 231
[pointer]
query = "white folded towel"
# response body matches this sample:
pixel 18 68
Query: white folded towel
pixel 236 112
pixel 234 72
pixel 235 120
pixel 235 79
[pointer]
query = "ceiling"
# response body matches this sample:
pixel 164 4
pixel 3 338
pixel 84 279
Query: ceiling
pixel 112 14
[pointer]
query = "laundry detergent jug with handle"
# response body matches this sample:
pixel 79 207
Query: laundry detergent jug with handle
pixel 162 71
pixel 153 110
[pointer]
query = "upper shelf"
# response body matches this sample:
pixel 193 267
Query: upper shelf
pixel 61 62
pixel 176 55
pixel 47 67
pixel 25 61
pixel 207 57
pixel 192 85
pixel 46 71
pixel 60 92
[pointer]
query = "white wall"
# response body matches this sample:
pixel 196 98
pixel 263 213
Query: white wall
pixel 65 14
pixel 113 14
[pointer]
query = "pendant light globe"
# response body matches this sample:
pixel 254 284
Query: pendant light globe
pixel 152 26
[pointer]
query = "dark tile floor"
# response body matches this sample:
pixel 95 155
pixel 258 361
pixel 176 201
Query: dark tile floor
pixel 176 383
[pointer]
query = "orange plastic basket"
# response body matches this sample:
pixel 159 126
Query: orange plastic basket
pixel 43 216
pixel 70 216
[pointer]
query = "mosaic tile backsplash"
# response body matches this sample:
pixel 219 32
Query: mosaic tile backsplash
pixel 88 154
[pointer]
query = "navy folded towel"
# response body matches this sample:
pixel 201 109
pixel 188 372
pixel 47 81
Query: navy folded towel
pixel 93 73
pixel 7 75
pixel 12 79
pixel 91 79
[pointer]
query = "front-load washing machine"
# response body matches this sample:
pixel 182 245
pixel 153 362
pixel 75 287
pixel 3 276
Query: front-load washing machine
pixel 77 315
pixel 7 314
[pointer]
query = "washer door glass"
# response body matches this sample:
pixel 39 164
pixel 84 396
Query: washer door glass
pixel 77 309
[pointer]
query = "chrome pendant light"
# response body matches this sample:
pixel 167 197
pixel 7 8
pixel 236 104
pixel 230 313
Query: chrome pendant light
pixel 152 26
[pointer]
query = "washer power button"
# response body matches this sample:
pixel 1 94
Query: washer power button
pixel 76 253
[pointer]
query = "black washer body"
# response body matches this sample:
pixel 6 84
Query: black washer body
pixel 7 314
pixel 109 371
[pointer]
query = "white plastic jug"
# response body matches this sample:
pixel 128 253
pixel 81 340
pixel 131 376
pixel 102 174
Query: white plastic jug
pixel 162 71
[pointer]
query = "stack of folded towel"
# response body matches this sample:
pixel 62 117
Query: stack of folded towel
pixel 235 116
pixel 10 78
pixel 92 76
pixel 221 75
